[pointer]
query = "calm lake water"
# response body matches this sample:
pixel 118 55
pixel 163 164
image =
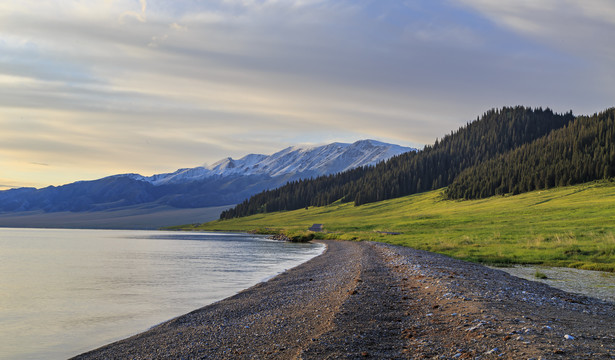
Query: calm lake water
pixel 63 292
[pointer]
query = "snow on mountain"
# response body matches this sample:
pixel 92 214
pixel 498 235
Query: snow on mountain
pixel 247 165
pixel 228 181
pixel 311 161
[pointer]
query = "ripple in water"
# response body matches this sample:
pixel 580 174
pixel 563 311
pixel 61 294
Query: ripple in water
pixel 64 292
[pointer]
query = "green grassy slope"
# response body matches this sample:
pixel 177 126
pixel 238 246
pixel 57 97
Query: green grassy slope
pixel 569 226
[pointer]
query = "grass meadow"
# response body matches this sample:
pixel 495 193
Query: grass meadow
pixel 569 226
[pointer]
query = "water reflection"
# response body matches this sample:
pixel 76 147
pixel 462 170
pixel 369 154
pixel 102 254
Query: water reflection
pixel 68 291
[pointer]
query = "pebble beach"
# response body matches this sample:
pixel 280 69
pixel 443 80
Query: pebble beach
pixel 363 300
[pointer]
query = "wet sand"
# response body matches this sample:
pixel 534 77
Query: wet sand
pixel 367 300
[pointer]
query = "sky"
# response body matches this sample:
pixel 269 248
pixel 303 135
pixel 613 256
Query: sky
pixel 91 88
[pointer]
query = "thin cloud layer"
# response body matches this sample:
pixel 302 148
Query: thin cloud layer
pixel 581 28
pixel 102 87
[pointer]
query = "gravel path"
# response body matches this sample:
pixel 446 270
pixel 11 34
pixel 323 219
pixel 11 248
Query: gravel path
pixel 367 300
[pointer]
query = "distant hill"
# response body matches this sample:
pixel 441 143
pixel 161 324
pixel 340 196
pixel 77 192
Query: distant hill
pixel 224 183
pixel 497 132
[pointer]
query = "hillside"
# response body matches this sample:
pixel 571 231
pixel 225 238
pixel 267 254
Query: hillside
pixel 581 151
pixel 570 226
pixel 495 133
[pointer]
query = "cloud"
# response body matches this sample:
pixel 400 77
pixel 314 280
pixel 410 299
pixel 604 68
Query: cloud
pixel 153 86
pixel 177 27
pixel 140 17
pixel 578 35
pixel 131 15
pixel 578 27
pixel 156 40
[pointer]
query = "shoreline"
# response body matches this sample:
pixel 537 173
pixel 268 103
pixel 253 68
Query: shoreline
pixel 362 300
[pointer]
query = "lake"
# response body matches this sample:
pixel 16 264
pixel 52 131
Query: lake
pixel 64 292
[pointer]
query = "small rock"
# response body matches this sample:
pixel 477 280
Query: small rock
pixel 475 327
pixel 492 351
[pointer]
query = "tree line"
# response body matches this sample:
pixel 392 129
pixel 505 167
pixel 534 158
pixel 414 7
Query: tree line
pixel 582 151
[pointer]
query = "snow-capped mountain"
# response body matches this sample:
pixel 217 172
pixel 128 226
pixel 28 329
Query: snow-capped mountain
pixel 310 161
pixel 225 182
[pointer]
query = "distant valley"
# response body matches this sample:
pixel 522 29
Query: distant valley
pixel 184 196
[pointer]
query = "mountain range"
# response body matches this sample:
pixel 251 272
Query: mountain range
pixel 504 152
pixel 300 162
pixel 198 192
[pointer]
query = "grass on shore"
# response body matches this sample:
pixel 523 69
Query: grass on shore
pixel 571 226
